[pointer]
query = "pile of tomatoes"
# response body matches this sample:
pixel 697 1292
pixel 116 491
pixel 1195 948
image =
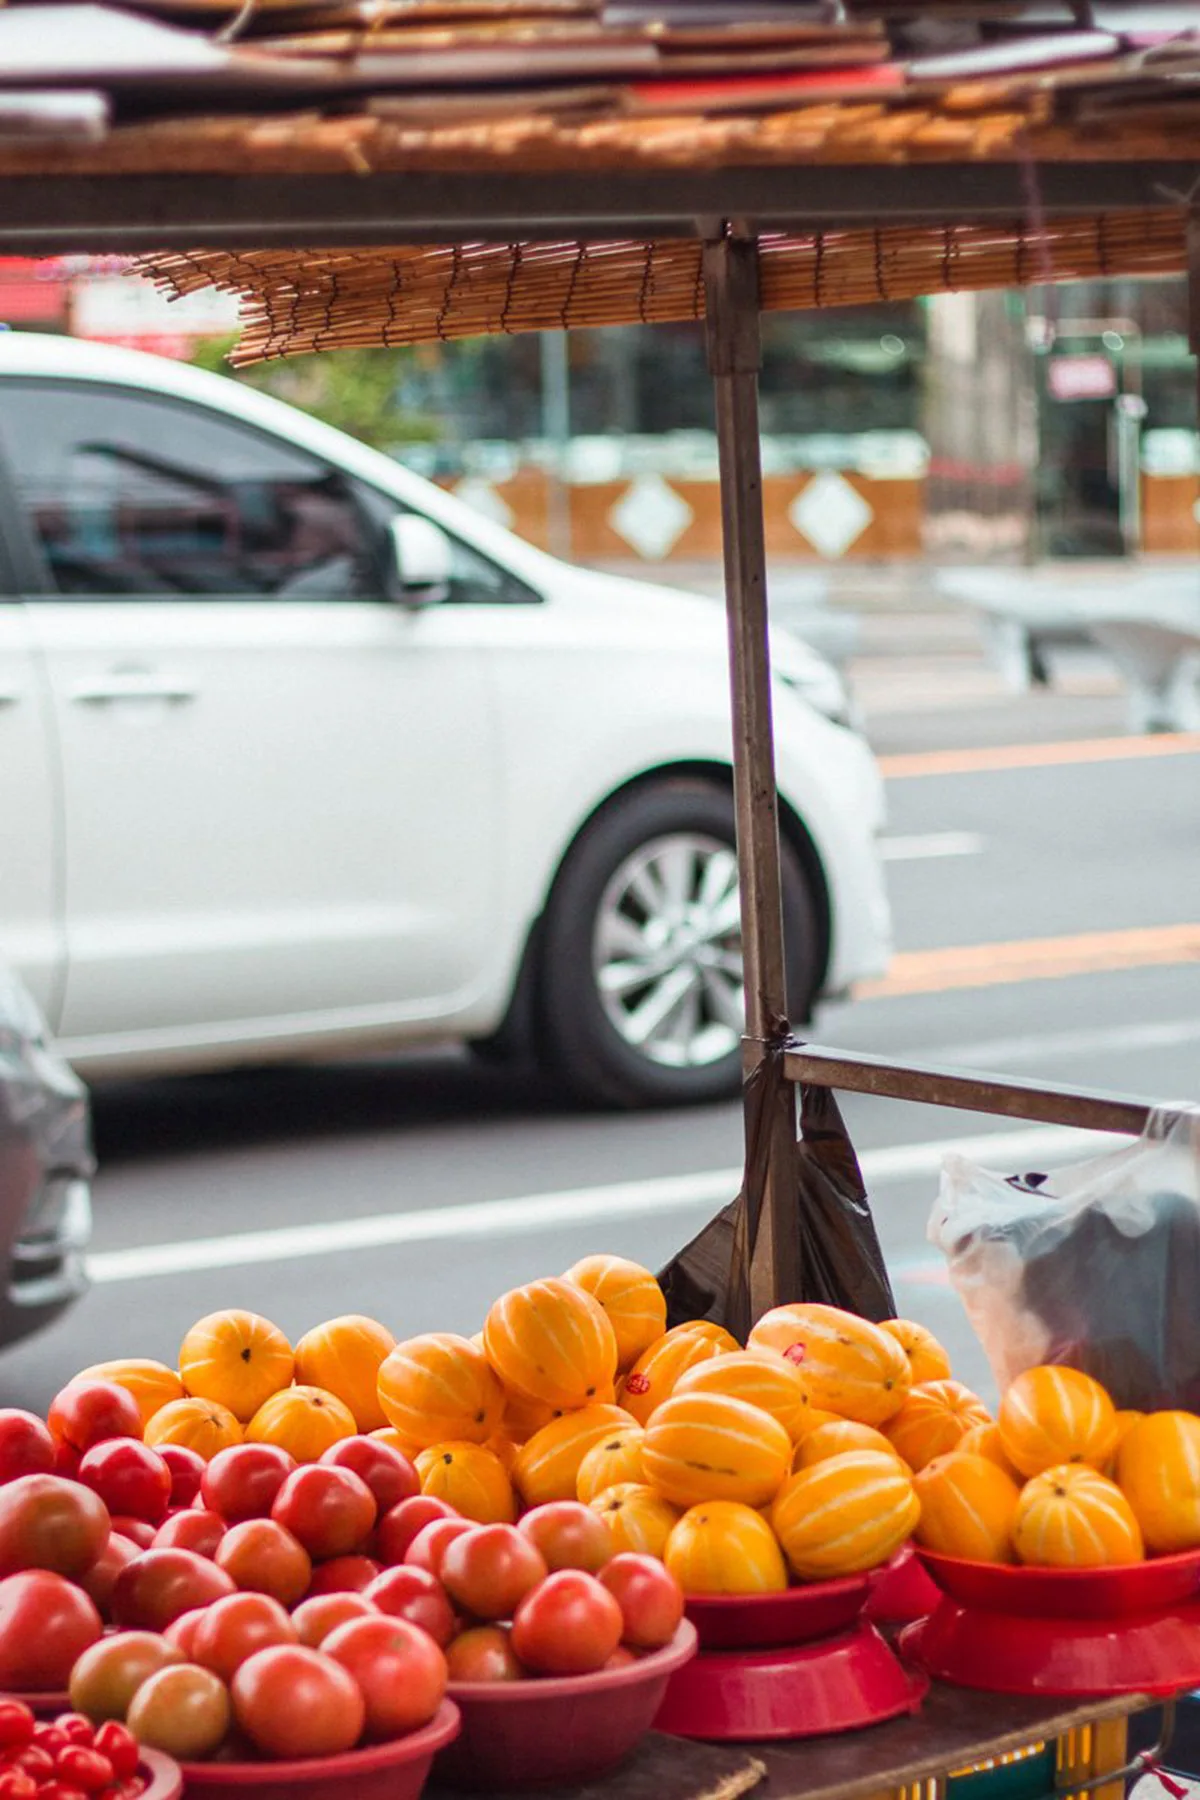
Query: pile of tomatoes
pixel 268 1608
pixel 66 1758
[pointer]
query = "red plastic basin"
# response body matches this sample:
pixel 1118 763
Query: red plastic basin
pixel 1128 1591
pixel 47 1704
pixel 901 1592
pixel 395 1771
pixel 1157 1654
pixel 163 1778
pixel 839 1684
pixel 565 1728
pixel 762 1621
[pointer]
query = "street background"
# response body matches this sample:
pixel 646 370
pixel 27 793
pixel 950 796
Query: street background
pixel 1042 870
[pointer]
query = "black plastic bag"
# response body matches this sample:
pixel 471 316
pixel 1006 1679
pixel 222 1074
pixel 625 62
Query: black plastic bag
pixel 835 1257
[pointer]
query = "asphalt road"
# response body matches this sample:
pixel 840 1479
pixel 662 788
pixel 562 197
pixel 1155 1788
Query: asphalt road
pixel 1042 913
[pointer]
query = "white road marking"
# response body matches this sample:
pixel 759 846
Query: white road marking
pixel 924 847
pixel 537 1212
pixel 1001 1053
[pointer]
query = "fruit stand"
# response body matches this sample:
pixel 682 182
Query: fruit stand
pixel 610 166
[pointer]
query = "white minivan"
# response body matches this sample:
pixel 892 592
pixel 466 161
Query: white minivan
pixel 299 756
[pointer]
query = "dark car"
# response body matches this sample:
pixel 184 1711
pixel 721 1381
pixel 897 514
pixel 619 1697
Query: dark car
pixel 46 1165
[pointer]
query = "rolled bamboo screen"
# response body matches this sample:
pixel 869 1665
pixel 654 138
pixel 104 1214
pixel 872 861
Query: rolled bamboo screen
pixel 295 301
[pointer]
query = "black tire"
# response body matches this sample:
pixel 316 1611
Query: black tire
pixel 580 1045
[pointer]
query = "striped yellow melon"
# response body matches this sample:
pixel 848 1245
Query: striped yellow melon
pixel 1072 1517
pixel 849 1365
pixel 984 1440
pixel 615 1460
pixel 653 1376
pixel 968 1507
pixel 758 1377
pixel 152 1384
pixel 638 1518
pixel 236 1358
pixel 547 1465
pixel 304 1421
pixel 814 1417
pixel 629 1294
pixel 1158 1467
pixel 523 1416
pixel 927 1360
pixel 721 1547
pixel 707 1328
pixel 933 1421
pixel 839 1436
pixel 505 1452
pixel 469 1478
pixel 552 1341
pixel 845 1515
pixel 713 1447
pixel 344 1356
pixel 1054 1415
pixel 439 1388
pixel 199 1425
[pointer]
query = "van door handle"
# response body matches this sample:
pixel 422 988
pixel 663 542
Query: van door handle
pixel 136 685
pixel 7 698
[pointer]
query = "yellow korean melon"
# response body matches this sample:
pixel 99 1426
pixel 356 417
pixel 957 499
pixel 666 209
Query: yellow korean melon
pixel 760 1378
pixel 547 1464
pixel 551 1341
pixel 934 1420
pixel 632 1298
pixel 849 1366
pixel 1056 1415
pixel 1072 1517
pixel 722 1547
pixel 845 1515
pixel 968 1508
pixel 927 1359
pixel 637 1516
pixel 615 1460
pixel 713 1447
pixel 439 1388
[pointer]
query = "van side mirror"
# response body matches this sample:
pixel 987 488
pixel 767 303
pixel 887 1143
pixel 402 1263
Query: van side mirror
pixel 421 561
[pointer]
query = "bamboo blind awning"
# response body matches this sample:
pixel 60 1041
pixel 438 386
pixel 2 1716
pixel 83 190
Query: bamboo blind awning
pixel 298 301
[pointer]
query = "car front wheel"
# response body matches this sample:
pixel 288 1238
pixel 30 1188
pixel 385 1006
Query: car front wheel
pixel 641 990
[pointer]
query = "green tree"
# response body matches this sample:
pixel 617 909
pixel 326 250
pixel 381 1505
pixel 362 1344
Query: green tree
pixel 356 390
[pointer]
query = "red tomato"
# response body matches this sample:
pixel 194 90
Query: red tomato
pixel 17 1784
pixel 87 1412
pixel 16 1725
pixel 569 1535
pixel 650 1599
pixel 191 1529
pixel 75 1726
pixel 49 1738
pixel 45 1623
pixel 490 1570
pixel 26 1447
pixel 344 1575
pixel 183 1711
pixel 415 1595
pixel 317 1616
pixel 432 1541
pixel 242 1482
pixel 569 1625
pixel 292 1701
pixel 66 1461
pixel 234 1628
pixel 84 1768
pixel 399 1669
pixel 101 1578
pixel 390 1476
pixel 107 1676
pixel 397 1528
pixel 182 1630
pixel 484 1653
pixel 622 1658
pixel 264 1558
pixel 38 1762
pixel 138 1531
pixel 120 1746
pixel 49 1523
pixel 130 1478
pixel 330 1511
pixel 187 1472
pixel 158 1585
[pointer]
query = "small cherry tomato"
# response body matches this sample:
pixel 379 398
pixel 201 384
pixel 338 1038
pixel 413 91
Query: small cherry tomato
pixel 118 1744
pixel 49 1738
pixel 60 1790
pixel 36 1762
pixel 86 1768
pixel 16 1724
pixel 15 1784
pixel 77 1727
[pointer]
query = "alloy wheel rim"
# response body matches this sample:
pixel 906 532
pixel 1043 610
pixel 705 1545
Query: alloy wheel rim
pixel 667 951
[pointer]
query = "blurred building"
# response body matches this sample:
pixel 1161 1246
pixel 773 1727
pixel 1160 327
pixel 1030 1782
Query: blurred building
pixel 1053 422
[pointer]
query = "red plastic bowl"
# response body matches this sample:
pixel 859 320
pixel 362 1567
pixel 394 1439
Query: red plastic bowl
pixel 841 1684
pixel 1012 1655
pixel 46 1705
pixel 901 1592
pixel 564 1728
pixel 163 1778
pixel 762 1621
pixel 1124 1592
pixel 395 1771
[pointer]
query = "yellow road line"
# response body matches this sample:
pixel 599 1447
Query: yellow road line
pixel 904 766
pixel 1033 959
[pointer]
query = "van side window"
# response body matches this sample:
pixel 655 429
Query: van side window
pixel 475 580
pixel 129 494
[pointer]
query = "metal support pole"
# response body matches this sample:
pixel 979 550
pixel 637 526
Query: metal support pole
pixel 734 358
pixel 556 430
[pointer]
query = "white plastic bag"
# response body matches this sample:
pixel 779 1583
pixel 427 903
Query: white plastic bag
pixel 1096 1265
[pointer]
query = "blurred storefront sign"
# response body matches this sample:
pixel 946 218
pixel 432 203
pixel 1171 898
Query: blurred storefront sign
pixel 1081 378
